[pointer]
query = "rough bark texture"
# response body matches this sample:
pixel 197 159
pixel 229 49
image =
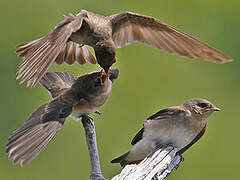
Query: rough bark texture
pixel 88 125
pixel 157 166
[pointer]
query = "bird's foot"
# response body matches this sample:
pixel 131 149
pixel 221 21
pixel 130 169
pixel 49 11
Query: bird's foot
pixel 157 145
pixel 98 112
pixel 86 118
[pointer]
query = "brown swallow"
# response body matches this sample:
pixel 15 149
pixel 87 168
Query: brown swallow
pixel 179 126
pixel 71 97
pixel 68 42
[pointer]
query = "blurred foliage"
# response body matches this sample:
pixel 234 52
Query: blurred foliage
pixel 149 80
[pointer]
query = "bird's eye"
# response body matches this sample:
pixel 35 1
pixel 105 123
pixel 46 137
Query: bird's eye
pixel 98 83
pixel 202 105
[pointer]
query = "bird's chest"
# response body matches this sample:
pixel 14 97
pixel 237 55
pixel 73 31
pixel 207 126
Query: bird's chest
pixel 177 134
pixel 90 106
pixel 86 107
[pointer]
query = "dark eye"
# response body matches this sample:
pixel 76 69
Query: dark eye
pixel 98 83
pixel 202 105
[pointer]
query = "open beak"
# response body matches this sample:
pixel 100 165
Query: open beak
pixel 215 109
pixel 105 77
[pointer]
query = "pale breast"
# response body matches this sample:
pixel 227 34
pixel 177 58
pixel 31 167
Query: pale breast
pixel 169 132
pixel 177 132
pixel 92 105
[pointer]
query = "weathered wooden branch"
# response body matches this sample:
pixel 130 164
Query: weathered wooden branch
pixel 157 166
pixel 88 124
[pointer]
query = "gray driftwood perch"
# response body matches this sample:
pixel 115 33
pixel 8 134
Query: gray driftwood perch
pixel 157 166
pixel 88 124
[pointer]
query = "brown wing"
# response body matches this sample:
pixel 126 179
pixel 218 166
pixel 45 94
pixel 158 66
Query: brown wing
pixel 129 27
pixel 28 146
pixel 33 136
pixel 169 113
pixel 38 55
pixel 138 137
pixel 193 141
pixel 57 82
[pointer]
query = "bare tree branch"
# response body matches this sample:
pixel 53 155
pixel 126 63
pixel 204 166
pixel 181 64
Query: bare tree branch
pixel 88 124
pixel 157 166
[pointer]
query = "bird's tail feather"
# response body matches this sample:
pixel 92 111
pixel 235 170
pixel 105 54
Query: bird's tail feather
pixel 123 160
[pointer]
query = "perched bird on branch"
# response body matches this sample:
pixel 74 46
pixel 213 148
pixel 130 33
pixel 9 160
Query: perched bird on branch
pixel 71 97
pixel 69 39
pixel 179 126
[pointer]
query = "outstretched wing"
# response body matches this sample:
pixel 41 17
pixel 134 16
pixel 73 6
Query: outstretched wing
pixel 38 55
pixel 57 82
pixel 129 27
pixel 33 136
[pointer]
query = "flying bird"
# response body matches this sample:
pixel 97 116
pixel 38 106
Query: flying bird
pixel 71 97
pixel 69 42
pixel 179 126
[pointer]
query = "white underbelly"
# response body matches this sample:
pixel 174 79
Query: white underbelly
pixel 178 137
pixel 89 107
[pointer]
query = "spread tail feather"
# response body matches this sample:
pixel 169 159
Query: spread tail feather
pixel 56 82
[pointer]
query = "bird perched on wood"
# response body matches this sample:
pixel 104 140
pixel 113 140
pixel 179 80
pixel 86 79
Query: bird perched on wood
pixel 179 126
pixel 71 97
pixel 69 39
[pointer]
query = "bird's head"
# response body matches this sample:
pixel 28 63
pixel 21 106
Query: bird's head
pixel 200 107
pixel 105 54
pixel 95 83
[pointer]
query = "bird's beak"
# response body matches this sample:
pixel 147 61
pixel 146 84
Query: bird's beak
pixel 215 109
pixel 105 77
pixel 106 69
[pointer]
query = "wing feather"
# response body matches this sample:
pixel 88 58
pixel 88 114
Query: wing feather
pixel 39 54
pixel 130 27
pixel 33 136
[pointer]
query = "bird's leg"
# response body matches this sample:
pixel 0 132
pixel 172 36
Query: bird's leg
pixel 98 112
pixel 90 133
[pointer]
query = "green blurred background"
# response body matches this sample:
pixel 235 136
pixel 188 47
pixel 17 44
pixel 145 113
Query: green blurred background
pixel 149 80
